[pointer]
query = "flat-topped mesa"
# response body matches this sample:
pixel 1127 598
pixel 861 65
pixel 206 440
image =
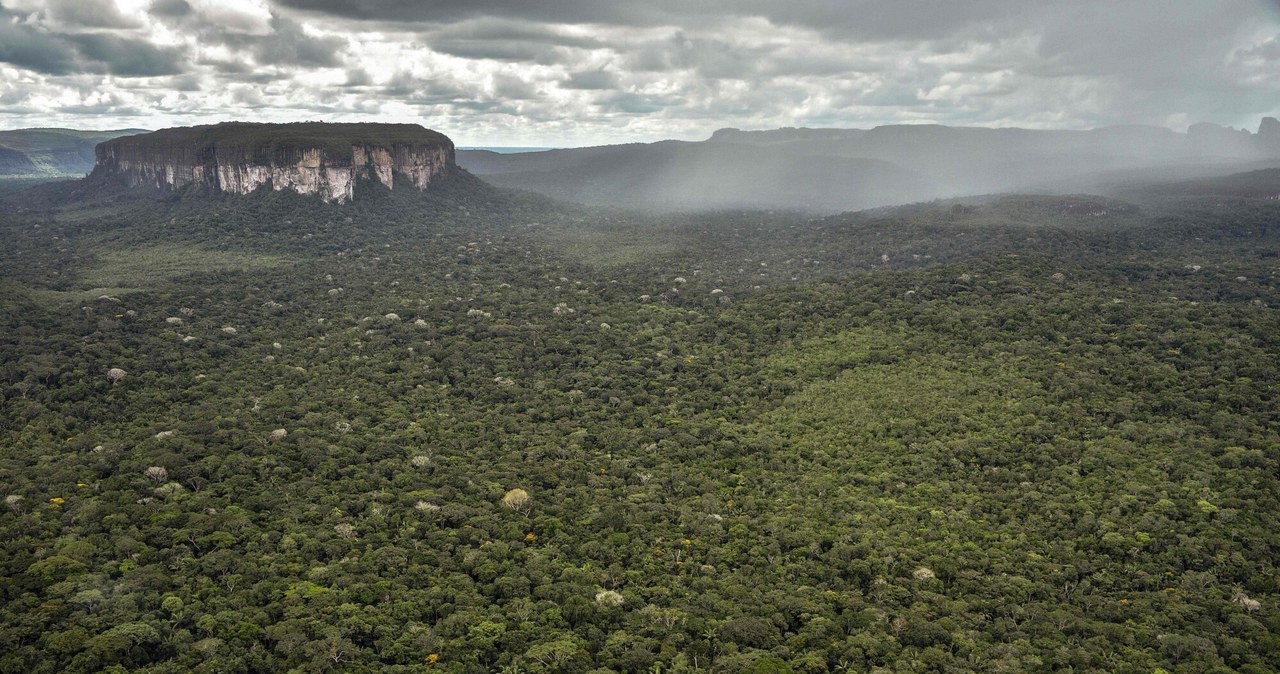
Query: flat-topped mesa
pixel 305 157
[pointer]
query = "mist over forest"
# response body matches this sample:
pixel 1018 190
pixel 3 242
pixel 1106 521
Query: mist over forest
pixel 833 170
pixel 830 337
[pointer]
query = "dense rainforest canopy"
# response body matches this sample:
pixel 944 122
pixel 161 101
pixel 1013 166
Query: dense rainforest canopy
pixel 474 431
pixel 265 142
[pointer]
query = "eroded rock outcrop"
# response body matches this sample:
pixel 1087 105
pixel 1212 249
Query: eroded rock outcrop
pixel 309 158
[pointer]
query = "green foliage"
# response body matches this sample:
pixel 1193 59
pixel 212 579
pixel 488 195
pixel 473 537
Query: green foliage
pixel 264 142
pixel 1068 427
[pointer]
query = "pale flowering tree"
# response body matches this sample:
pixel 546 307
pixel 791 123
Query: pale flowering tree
pixel 518 500
pixel 609 598
pixel 923 573
pixel 1248 603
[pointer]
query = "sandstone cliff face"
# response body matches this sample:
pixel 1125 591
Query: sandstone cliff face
pixel 323 159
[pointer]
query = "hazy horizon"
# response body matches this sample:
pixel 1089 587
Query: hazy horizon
pixel 543 147
pixel 510 74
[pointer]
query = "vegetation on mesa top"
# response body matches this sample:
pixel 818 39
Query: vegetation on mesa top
pixel 266 140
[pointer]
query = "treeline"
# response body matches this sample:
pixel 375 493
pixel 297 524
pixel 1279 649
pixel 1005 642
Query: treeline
pixel 476 432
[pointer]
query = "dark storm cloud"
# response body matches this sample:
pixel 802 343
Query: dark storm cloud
pixel 710 57
pixel 126 58
pixel 591 79
pixel 492 30
pixel 513 88
pixel 404 86
pixel 498 50
pixel 170 8
pixel 511 41
pixel 451 11
pixel 44 51
pixel 87 14
pixel 514 70
pixel 289 46
pixel 881 19
pixel 28 47
pixel 358 77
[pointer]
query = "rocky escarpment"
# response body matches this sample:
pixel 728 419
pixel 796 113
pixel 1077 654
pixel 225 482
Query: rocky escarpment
pixel 309 158
pixel 52 152
pixel 13 162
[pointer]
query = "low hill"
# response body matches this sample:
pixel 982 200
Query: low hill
pixel 828 170
pixel 1260 184
pixel 51 153
pixel 674 175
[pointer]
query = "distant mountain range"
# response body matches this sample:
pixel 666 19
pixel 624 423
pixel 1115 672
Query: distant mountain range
pixel 816 170
pixel 52 152
pixel 674 175
pixel 828 170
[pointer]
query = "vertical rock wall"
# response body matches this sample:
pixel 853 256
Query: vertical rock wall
pixel 242 158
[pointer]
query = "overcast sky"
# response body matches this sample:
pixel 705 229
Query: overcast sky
pixel 579 72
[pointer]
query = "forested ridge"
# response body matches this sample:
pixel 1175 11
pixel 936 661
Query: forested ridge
pixel 477 431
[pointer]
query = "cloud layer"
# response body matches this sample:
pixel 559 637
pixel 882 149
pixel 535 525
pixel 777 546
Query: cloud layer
pixel 574 72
